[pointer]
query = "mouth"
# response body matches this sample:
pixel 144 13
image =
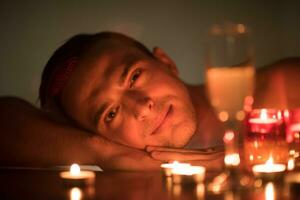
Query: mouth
pixel 160 123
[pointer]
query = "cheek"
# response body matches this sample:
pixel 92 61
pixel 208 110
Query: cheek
pixel 129 132
pixel 169 84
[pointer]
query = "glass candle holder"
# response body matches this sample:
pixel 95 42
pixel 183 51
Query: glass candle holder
pixel 265 138
pixel 292 121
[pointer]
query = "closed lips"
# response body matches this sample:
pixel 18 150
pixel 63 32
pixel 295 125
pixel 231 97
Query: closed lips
pixel 162 120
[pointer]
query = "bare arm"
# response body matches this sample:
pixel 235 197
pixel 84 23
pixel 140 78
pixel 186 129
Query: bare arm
pixel 28 137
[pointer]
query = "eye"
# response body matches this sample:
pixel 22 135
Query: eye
pixel 135 75
pixel 111 115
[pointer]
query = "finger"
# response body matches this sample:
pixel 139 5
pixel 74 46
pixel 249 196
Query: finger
pixel 170 156
pixel 211 150
pixel 133 163
pixel 179 150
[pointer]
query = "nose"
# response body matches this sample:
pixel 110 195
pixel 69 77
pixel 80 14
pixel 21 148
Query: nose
pixel 140 106
pixel 143 108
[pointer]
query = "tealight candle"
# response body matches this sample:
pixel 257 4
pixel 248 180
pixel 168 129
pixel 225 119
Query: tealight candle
pixel 268 168
pixel 76 176
pixel 188 174
pixel 167 167
pixel 263 118
pixel 264 123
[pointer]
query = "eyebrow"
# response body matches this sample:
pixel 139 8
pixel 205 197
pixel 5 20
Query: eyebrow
pixel 126 69
pixel 104 106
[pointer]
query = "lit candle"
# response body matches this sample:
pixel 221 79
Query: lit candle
pixel 268 168
pixel 76 176
pixel 167 167
pixel 263 118
pixel 188 174
pixel 264 123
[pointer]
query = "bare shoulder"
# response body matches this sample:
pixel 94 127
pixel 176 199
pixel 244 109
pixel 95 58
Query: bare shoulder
pixel 288 62
pixel 286 65
pixel 277 84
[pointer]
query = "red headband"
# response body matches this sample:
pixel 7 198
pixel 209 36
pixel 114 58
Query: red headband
pixel 60 77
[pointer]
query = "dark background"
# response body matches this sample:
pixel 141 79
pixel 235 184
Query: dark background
pixel 32 30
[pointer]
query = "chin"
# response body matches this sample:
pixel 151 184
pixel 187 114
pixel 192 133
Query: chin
pixel 181 136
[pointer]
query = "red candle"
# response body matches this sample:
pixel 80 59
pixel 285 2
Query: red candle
pixel 265 136
pixel 265 121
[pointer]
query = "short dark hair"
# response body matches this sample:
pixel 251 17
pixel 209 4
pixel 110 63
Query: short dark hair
pixel 76 46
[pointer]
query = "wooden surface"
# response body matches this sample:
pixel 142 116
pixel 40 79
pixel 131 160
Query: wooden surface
pixel 46 184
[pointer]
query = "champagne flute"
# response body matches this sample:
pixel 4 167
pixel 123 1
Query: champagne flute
pixel 230 76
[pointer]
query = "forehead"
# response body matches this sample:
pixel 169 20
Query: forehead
pixel 103 60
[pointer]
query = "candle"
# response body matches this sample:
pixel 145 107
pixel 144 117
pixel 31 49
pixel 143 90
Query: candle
pixel 167 167
pixel 188 174
pixel 263 118
pixel 265 122
pixel 268 168
pixel 258 150
pixel 265 136
pixel 76 176
pixel 292 122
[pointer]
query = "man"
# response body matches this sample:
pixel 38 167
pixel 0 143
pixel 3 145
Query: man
pixel 109 101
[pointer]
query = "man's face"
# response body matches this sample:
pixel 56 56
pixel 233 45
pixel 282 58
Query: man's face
pixel 130 98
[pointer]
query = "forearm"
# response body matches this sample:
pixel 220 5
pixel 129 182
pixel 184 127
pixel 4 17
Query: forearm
pixel 30 138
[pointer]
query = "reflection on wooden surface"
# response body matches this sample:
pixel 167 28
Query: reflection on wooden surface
pixel 30 184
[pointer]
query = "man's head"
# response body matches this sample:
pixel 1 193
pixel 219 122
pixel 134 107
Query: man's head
pixel 120 89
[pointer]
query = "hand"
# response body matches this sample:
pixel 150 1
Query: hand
pixel 113 156
pixel 133 160
pixel 212 159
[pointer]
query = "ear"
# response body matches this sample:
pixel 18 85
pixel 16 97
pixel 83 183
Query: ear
pixel 160 55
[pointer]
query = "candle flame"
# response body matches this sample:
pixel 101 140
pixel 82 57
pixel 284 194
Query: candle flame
pixel 269 167
pixel 270 161
pixel 75 169
pixel 264 114
pixel 175 162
